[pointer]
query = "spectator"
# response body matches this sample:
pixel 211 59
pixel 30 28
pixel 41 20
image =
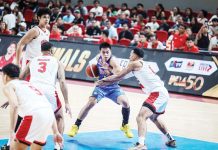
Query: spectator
pixel 104 19
pixel 215 15
pixel 18 14
pixel 147 31
pixel 143 43
pixel 67 6
pixel 2 7
pixel 4 28
pixel 93 29
pixel 189 32
pixel 112 30
pixel 111 10
pixel 35 21
pixel 55 33
pixel 68 18
pixel 133 14
pixel 159 11
pixel 174 14
pixel 153 24
pixel 164 26
pixel 83 10
pixel 105 38
pixel 125 33
pixel 90 19
pixel 139 24
pixel 60 25
pixel 22 29
pixel 202 16
pixel 190 46
pixel 135 40
pixel 188 15
pixel 124 9
pixel 78 18
pixel 177 25
pixel 121 20
pixel 202 39
pixel 153 43
pixel 97 9
pixel 179 39
pixel 213 27
pixel 9 18
pixel 50 4
pixel 141 10
pixel 195 26
pixel 55 14
pixel 75 30
pixel 214 41
pixel 14 31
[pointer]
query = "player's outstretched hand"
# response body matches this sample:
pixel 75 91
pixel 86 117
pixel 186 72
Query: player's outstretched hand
pixel 68 109
pixel 58 139
pixel 5 105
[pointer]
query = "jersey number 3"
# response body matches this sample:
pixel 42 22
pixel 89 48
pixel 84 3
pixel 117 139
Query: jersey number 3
pixel 42 67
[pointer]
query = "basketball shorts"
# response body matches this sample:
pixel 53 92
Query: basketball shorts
pixel 112 92
pixel 51 94
pixel 35 128
pixel 157 101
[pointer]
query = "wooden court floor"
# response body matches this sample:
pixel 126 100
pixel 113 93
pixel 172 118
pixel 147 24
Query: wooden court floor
pixel 190 117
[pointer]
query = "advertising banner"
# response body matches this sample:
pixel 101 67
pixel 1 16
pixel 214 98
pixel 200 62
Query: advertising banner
pixel 188 73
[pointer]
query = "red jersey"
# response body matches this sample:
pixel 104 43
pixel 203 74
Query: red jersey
pixel 193 49
pixel 4 62
pixel 142 45
pixel 108 40
pixel 179 40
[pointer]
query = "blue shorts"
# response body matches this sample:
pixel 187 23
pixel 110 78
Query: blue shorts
pixel 112 92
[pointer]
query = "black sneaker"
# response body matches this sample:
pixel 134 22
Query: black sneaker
pixel 5 147
pixel 171 143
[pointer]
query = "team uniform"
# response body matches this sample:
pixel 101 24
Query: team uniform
pixel 151 83
pixel 36 112
pixel 33 48
pixel 4 62
pixel 112 91
pixel 43 71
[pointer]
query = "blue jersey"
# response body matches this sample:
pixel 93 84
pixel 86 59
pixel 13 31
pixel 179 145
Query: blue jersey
pixel 105 69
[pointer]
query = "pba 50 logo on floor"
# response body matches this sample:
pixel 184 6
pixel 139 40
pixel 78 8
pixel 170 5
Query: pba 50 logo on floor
pixel 190 66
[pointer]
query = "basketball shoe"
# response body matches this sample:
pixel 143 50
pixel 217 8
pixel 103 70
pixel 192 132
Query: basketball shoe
pixel 127 131
pixel 73 131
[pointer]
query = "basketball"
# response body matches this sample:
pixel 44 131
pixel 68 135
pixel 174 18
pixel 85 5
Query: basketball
pixel 92 71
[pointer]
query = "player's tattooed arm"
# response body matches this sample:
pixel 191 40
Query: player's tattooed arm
pixel 26 71
pixel 63 87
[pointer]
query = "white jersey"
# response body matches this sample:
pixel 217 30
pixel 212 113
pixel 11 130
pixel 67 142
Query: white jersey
pixel 29 98
pixel 149 81
pixel 33 48
pixel 43 71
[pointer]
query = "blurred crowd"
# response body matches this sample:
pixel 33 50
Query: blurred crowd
pixel 155 28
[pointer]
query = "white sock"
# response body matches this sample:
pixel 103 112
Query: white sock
pixel 8 142
pixel 57 146
pixel 141 140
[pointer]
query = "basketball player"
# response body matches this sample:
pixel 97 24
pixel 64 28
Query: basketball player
pixel 154 105
pixel 107 65
pixel 33 38
pixel 44 70
pixel 29 103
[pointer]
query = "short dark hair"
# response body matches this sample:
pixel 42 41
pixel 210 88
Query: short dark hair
pixel 190 38
pixel 140 4
pixel 104 45
pixel 105 32
pixel 11 70
pixel 139 52
pixel 43 11
pixel 46 46
pixel 96 1
pixel 214 20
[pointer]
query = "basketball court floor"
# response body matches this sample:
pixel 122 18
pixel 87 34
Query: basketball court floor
pixel 193 121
